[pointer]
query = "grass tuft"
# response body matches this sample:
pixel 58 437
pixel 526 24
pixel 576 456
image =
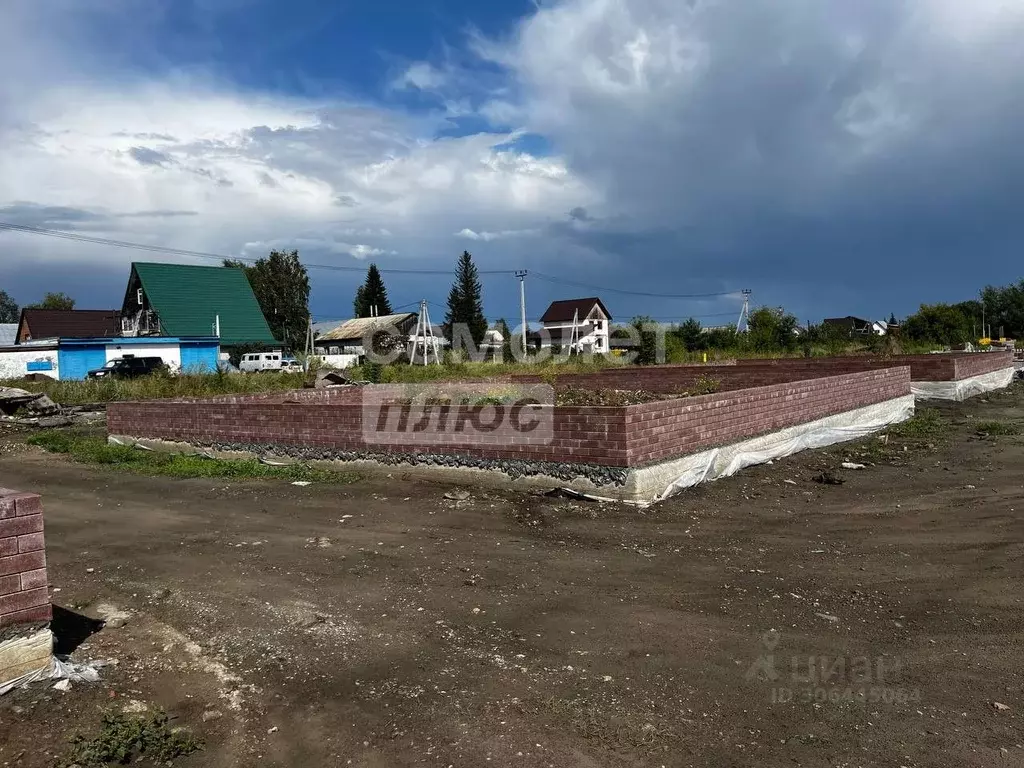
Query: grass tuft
pixel 997 428
pixel 161 386
pixel 924 424
pixel 94 449
pixel 125 738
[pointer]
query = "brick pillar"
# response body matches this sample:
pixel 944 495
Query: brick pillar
pixel 24 596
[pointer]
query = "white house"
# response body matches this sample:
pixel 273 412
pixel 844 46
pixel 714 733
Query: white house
pixel 579 323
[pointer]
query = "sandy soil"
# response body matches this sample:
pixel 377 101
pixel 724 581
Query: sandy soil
pixel 764 620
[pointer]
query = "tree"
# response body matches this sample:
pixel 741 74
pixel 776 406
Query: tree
pixel 771 329
pixel 892 319
pixel 721 338
pixel 647 349
pixel 465 304
pixel 943 323
pixel 506 340
pixel 372 295
pixel 9 312
pixel 281 285
pixel 691 335
pixel 54 301
pixel 1004 308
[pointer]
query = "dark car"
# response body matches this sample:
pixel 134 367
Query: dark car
pixel 128 368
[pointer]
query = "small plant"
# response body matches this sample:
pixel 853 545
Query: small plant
pixel 926 423
pixel 997 428
pixel 125 738
pixel 94 449
pixel 705 385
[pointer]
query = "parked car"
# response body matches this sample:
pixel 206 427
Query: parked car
pixel 260 361
pixel 291 365
pixel 128 368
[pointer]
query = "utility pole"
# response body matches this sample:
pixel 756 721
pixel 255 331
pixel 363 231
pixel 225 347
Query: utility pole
pixel 745 311
pixel 521 274
pixel 425 331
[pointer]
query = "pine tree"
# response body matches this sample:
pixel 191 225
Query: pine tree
pixel 372 293
pixel 465 304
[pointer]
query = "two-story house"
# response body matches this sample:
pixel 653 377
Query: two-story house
pixel 581 324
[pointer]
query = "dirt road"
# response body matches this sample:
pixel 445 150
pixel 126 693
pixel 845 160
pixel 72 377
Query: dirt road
pixel 764 620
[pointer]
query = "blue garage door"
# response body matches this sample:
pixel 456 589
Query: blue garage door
pixel 198 358
pixel 75 362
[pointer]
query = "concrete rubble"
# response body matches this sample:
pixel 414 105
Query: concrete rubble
pixel 21 408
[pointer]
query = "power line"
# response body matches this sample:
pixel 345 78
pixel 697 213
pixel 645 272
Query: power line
pixel 77 237
pixel 561 281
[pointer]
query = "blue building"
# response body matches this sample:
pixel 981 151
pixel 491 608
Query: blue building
pixel 73 358
pixel 76 357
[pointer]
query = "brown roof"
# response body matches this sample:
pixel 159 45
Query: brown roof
pixel 68 323
pixel 564 311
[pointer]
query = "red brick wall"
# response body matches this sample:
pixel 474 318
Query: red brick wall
pixel 968 364
pixel 661 430
pixel 24 596
pixel 949 366
pixel 589 435
pixel 618 437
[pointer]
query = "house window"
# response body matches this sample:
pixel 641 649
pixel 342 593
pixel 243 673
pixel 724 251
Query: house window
pixel 138 297
pixel 333 350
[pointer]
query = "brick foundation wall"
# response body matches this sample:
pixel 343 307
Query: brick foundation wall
pixel 604 436
pixel 968 364
pixel 951 366
pixel 24 596
pixel 661 430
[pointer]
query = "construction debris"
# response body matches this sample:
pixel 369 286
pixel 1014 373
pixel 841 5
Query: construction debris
pixel 328 379
pixel 21 408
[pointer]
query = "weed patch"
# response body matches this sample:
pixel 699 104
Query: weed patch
pixel 125 738
pixel 94 449
pixel 925 424
pixel 161 386
pixel 997 428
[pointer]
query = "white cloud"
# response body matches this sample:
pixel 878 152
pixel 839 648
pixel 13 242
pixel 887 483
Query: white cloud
pixel 675 126
pixel 345 179
pixel 362 251
pixel 469 234
pixel 684 113
pixel 422 76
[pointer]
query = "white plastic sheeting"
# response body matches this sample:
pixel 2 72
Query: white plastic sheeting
pixel 38 645
pixel 730 459
pixel 959 391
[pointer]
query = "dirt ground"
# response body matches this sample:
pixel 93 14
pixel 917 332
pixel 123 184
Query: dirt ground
pixel 764 620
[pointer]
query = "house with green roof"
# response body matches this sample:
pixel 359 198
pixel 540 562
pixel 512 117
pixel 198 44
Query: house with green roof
pixel 185 300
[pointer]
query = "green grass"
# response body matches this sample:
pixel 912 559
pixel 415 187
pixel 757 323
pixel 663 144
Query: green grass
pixel 926 423
pixel 160 386
pixel 997 428
pixel 93 449
pixel 402 373
pixel 125 738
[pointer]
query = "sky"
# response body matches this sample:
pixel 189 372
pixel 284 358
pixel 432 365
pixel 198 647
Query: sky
pixel 832 157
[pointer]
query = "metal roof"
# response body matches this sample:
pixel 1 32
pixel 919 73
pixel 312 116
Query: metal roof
pixel 359 327
pixel 188 299
pixel 565 310
pixel 70 323
pixel 129 340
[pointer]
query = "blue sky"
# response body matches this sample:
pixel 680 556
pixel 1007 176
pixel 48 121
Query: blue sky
pixel 833 157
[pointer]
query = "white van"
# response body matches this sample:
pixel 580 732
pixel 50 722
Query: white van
pixel 260 361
